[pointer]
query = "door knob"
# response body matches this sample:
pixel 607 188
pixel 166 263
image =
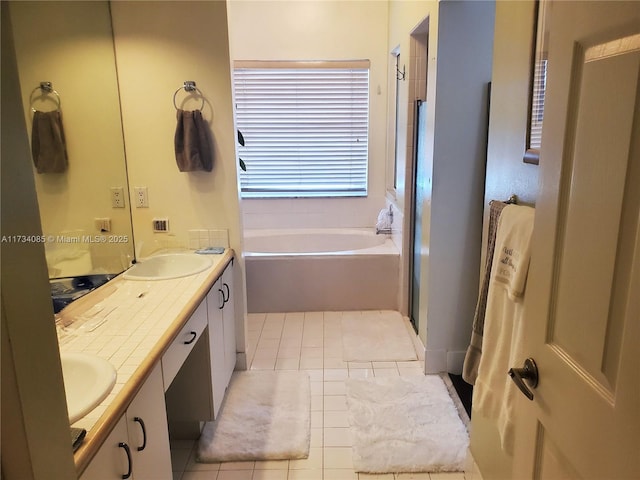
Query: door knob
pixel 529 373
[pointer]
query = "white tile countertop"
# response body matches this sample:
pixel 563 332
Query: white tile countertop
pixel 130 323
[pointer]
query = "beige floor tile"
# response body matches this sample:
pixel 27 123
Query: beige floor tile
pixel 263 363
pixel 335 388
pixel 447 476
pixel 386 372
pixel 266 352
pixel 333 362
pixel 311 363
pixel 317 419
pixel 338 457
pixel 315 374
pixel 337 437
pixel 317 403
pixel 413 476
pixel 335 403
pixel 336 419
pixel 334 374
pixel 384 365
pixel 317 437
pixel 199 476
pixel 311 352
pixel 234 475
pixel 360 365
pixel 270 475
pixel 288 352
pixel 317 388
pixel 375 476
pixel 410 371
pixel 305 474
pixel 286 364
pixel 361 373
pixel 340 474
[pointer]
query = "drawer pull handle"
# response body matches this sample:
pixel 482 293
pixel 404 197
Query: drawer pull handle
pixel 226 298
pixel 220 307
pixel 192 339
pixel 144 433
pixel 126 449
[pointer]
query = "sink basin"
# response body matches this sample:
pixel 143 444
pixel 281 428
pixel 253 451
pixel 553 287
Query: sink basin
pixel 164 267
pixel 87 381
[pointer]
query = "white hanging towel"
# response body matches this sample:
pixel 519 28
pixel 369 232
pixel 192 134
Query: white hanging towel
pixel 494 392
pixel 384 219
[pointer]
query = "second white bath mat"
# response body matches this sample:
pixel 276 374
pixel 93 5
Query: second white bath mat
pixel 405 424
pixel 265 416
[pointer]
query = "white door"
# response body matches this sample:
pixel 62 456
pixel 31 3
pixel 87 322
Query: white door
pixel 582 324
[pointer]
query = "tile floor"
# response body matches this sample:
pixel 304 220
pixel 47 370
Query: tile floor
pixel 310 341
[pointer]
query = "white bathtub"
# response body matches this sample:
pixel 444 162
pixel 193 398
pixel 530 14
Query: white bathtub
pixel 320 269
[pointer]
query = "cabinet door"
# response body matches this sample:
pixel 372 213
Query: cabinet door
pixel 148 432
pixel 111 461
pixel 229 323
pixel 215 306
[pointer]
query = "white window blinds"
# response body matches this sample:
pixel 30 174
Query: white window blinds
pixel 537 103
pixel 305 127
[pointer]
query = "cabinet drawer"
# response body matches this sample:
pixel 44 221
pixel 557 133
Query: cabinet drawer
pixel 177 353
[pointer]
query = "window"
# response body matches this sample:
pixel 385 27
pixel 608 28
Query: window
pixel 305 126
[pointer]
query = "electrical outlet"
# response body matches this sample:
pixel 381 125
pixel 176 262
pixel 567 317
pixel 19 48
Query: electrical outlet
pixel 142 197
pixel 117 197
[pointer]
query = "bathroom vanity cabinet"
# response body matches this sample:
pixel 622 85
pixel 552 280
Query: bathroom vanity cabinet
pixel 186 387
pixel 222 336
pixel 139 444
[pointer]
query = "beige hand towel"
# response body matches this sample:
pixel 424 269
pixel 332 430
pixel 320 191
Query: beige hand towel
pixel 192 142
pixel 48 146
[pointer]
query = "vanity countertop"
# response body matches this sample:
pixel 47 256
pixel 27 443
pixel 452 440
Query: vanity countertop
pixel 148 316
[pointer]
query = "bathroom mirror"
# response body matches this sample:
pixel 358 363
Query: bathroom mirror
pixel 538 84
pixel 85 214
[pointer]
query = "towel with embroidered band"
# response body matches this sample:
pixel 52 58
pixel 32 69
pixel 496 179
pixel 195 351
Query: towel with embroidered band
pixel 502 343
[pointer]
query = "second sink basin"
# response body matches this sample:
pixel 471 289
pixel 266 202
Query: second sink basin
pixel 88 380
pixel 164 267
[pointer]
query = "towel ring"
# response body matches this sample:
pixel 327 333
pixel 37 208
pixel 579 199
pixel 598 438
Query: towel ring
pixel 45 88
pixel 189 86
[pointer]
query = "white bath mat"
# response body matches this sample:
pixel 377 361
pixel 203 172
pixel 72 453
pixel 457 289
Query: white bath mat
pixel 376 336
pixel 405 424
pixel 265 416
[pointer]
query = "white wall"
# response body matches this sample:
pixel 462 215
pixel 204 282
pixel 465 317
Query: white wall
pixel 160 45
pixel 319 30
pixel 35 426
pixel 458 69
pixel 464 59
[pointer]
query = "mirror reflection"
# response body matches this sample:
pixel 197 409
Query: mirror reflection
pixel 84 206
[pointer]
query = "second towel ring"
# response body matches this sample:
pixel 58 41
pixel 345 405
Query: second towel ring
pixel 189 86
pixel 45 88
